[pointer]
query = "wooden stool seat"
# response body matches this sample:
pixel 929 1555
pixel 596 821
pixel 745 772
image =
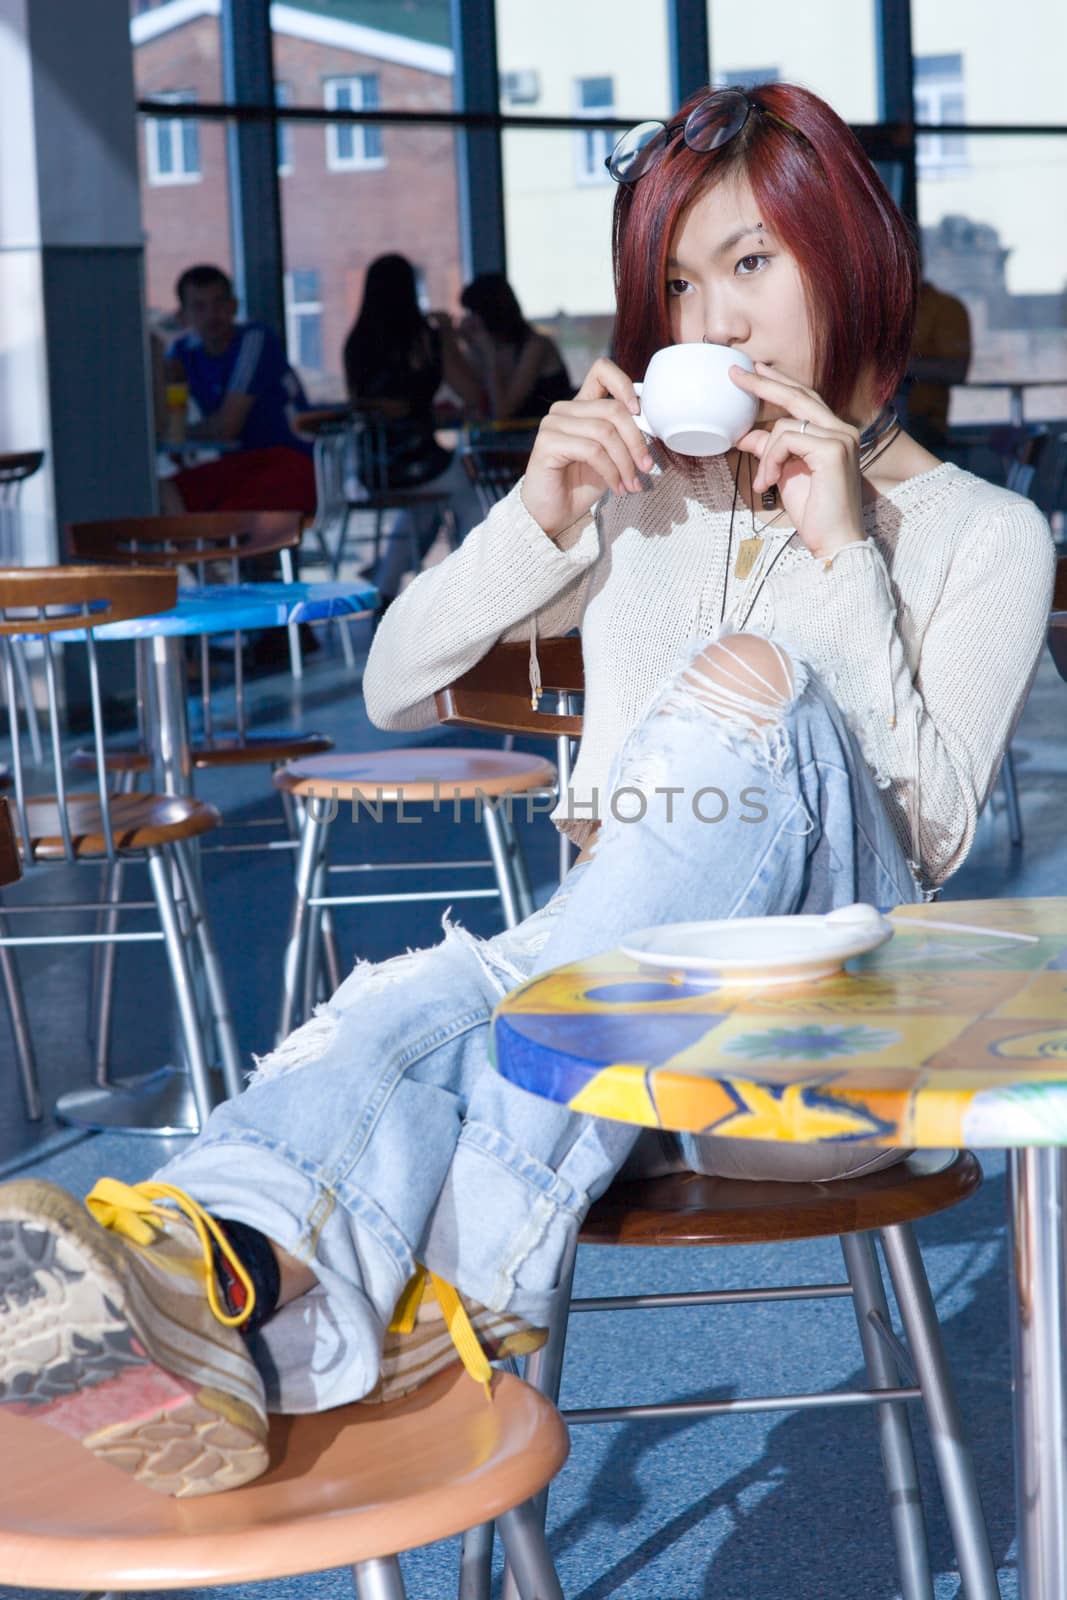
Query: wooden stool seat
pixel 15 466
pixel 418 775
pixel 686 1208
pixel 249 750
pixel 348 1485
pixel 138 821
pixel 254 749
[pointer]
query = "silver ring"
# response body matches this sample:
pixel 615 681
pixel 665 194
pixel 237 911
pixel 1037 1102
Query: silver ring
pixel 804 426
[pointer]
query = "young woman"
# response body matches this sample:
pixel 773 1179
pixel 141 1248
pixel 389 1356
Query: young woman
pixel 857 644
pixel 396 360
pixel 522 369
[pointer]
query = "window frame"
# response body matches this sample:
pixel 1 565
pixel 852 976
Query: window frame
pixel 940 155
pixel 591 172
pixel 283 131
pixel 177 127
pixel 296 311
pixel 361 161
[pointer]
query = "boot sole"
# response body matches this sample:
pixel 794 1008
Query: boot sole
pixel 76 1355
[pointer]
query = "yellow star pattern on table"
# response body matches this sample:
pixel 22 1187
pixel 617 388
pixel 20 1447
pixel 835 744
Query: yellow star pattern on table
pixel 954 1032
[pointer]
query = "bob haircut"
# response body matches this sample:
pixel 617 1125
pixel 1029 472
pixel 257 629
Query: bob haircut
pixel 819 193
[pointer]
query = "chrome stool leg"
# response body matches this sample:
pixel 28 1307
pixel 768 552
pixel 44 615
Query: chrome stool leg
pixel 518 861
pixel 523 1536
pixel 104 991
pixel 379 1579
pixel 324 953
pixel 502 866
pixel 1011 798
pixel 159 868
pixel 894 1427
pixel 20 1028
pixel 312 837
pixel 955 1465
pixel 221 1017
pixel 543 1370
pixel 476 1563
pixel 104 959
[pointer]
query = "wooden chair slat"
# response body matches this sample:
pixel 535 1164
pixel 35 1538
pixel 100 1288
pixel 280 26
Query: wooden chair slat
pixel 495 693
pixel 171 541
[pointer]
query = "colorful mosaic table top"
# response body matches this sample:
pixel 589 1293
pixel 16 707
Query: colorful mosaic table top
pixel 225 608
pixel 953 1033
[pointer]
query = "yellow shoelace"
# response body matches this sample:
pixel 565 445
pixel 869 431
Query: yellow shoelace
pixel 128 1210
pixel 457 1322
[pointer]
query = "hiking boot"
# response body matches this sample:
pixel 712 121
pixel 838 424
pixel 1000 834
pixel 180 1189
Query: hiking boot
pixel 433 1327
pixel 112 1331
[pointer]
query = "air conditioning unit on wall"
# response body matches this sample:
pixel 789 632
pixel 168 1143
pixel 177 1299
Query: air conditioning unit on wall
pixel 521 88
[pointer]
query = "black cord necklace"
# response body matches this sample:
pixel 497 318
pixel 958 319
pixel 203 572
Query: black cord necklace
pixel 729 553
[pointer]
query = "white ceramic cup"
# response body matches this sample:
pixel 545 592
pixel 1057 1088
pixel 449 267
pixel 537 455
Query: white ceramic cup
pixel 689 401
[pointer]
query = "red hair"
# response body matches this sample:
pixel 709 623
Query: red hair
pixel 818 191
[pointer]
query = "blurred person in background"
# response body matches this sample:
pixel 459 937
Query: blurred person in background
pixel 247 393
pixel 396 359
pixel 521 368
pixel 940 357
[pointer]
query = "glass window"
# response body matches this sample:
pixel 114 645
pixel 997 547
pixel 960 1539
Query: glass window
pixel 747 78
pixel 825 45
pixel 176 45
pixel 303 323
pixel 352 144
pixel 991 240
pixel 939 98
pixel 184 226
pixel 407 204
pixel 405 44
pixel 283 96
pixel 172 144
pixel 592 147
pixel 545 49
pixel 1012 59
pixel 567 290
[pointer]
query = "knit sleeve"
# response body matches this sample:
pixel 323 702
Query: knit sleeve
pixel 933 729
pixel 506 579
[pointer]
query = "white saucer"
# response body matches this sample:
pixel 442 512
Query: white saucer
pixel 758 951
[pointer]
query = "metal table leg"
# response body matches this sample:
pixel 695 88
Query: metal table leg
pixel 1037 1197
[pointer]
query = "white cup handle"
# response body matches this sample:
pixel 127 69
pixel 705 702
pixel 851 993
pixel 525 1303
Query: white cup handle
pixel 640 418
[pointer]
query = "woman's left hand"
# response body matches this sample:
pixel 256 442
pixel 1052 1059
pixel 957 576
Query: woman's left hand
pixel 816 471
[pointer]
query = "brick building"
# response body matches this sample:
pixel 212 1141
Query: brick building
pixel 348 193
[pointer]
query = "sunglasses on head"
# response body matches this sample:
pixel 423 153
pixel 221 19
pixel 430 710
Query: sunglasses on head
pixel 718 118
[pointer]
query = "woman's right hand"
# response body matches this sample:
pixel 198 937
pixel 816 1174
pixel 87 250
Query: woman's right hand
pixel 584 446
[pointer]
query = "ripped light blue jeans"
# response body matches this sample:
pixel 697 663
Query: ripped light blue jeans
pixel 377 1135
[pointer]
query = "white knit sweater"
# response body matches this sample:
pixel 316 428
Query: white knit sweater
pixel 928 634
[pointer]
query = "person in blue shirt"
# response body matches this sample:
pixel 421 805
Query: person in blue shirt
pixel 247 394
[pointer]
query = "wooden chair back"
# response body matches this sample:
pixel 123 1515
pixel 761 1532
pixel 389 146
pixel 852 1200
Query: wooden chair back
pixel 495 693
pixel 211 545
pixel 494 470
pixel 18 465
pixel 1057 627
pixel 10 866
pixel 190 540
pixel 37 603
pixel 1059 587
pixel 15 468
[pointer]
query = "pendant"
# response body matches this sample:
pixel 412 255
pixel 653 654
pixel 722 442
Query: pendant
pixel 747 556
